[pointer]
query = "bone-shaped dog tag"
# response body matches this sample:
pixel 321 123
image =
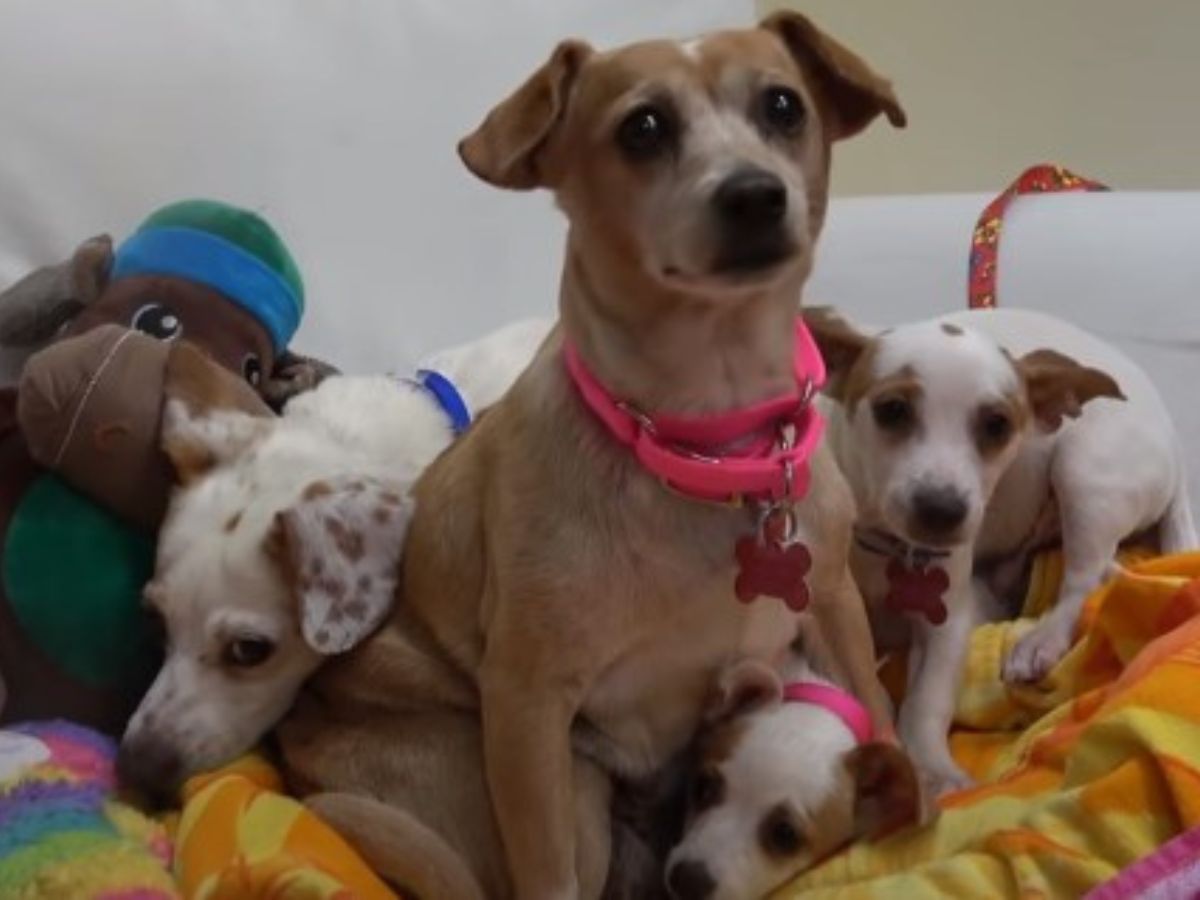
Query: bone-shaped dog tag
pixel 917 590
pixel 771 564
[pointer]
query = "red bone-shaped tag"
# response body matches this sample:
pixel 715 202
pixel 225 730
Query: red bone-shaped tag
pixel 767 566
pixel 917 591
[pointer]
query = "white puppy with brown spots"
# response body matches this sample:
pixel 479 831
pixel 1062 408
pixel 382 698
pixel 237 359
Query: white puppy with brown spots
pixel 265 567
pixel 953 434
pixel 787 773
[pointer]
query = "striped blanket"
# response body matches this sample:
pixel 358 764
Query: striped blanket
pixel 1079 776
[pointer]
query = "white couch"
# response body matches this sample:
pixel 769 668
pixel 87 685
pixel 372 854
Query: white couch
pixel 338 122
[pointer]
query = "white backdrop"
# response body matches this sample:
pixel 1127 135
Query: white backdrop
pixel 336 119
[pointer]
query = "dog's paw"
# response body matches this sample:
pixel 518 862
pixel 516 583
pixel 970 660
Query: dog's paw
pixel 1037 652
pixel 945 779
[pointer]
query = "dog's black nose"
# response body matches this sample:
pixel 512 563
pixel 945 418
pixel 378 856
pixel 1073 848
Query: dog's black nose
pixel 751 198
pixel 689 880
pixel 149 766
pixel 938 510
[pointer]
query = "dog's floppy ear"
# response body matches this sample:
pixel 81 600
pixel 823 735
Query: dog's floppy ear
pixel 505 149
pixel 209 414
pixel 340 546
pixel 841 344
pixel 1057 386
pixel 36 307
pixel 855 93
pixel 743 687
pixel 887 791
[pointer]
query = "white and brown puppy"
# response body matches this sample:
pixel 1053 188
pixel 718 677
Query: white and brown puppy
pixel 552 584
pixel 956 434
pixel 786 775
pixel 263 569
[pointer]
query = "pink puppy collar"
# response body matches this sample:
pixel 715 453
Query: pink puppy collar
pixel 757 453
pixel 843 705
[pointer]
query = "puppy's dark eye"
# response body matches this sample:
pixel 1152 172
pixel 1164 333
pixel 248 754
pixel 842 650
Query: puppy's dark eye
pixel 778 835
pixel 708 789
pixel 995 427
pixel 247 652
pixel 646 132
pixel 783 110
pixel 157 321
pixel 893 414
pixel 252 369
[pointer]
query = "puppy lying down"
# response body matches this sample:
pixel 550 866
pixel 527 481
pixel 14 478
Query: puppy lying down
pixel 260 575
pixel 787 772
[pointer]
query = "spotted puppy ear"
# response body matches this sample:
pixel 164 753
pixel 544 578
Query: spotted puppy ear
pixel 340 546
pixel 1058 387
pixel 887 792
pixel 743 687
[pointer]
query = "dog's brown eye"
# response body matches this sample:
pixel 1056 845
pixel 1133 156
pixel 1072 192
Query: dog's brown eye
pixel 708 788
pixel 892 414
pixel 783 110
pixel 778 835
pixel 248 652
pixel 995 427
pixel 645 132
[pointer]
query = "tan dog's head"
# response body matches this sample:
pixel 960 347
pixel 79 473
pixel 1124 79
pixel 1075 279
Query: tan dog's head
pixel 265 567
pixel 937 414
pixel 695 170
pixel 778 787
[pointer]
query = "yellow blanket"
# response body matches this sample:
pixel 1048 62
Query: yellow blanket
pixel 1080 775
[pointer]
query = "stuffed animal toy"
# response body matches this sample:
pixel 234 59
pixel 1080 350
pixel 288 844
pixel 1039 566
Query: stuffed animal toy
pixel 83 483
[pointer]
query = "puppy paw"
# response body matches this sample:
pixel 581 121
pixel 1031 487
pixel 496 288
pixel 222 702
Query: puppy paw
pixel 945 779
pixel 1037 653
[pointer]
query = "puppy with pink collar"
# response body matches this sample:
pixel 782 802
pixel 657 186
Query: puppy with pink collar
pixel 787 773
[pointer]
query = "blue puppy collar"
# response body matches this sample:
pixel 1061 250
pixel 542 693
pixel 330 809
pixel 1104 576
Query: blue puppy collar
pixel 447 397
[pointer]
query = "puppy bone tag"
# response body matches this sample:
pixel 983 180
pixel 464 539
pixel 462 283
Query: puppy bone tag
pixel 917 590
pixel 772 563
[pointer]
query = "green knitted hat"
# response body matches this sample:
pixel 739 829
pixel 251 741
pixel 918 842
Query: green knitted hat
pixel 231 250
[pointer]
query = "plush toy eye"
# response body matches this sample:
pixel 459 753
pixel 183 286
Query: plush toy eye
pixel 247 652
pixel 157 321
pixel 645 132
pixel 893 414
pixel 252 369
pixel 783 110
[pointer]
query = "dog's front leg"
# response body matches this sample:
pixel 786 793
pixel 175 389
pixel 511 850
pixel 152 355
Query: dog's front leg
pixel 531 689
pixel 935 671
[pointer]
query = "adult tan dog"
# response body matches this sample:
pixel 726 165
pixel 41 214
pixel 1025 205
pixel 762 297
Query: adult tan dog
pixel 563 614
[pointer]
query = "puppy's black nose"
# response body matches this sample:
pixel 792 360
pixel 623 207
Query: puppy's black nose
pixel 149 766
pixel 689 880
pixel 751 198
pixel 938 510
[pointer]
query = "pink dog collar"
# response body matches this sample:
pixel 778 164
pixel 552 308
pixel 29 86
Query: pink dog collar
pixel 843 705
pixel 759 452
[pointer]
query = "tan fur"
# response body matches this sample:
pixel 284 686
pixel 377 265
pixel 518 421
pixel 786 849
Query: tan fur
pixel 547 577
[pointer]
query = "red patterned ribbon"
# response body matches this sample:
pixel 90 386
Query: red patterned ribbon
pixel 985 240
